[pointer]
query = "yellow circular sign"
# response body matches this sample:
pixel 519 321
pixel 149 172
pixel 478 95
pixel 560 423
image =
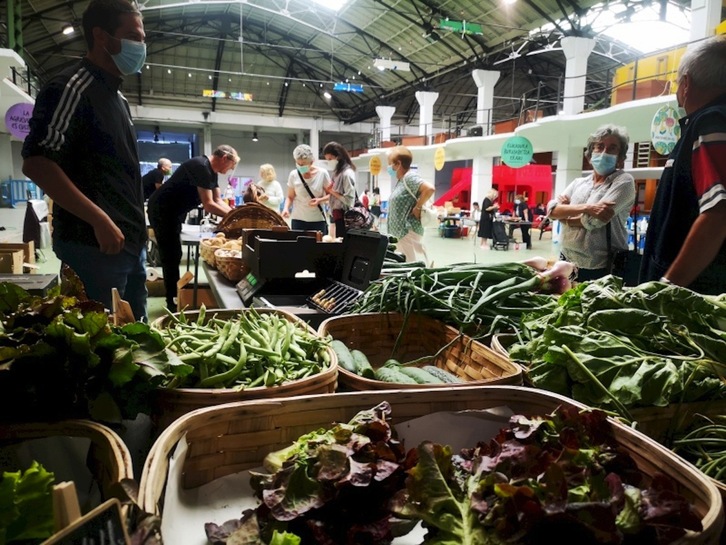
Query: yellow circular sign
pixel 375 165
pixel 439 158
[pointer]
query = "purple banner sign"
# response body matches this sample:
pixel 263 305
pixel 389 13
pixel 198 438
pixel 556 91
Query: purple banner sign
pixel 17 119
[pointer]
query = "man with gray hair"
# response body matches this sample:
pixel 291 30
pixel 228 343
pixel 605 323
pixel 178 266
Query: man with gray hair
pixel 686 239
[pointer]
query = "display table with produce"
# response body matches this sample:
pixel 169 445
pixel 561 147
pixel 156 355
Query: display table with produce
pixel 238 355
pixel 196 476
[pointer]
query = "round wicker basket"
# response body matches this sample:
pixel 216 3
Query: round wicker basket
pixel 376 335
pixel 206 251
pixel 171 403
pixel 251 215
pixel 233 269
pixel 108 459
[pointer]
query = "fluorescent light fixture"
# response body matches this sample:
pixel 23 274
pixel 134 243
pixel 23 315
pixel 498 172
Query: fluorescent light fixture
pixel 327 95
pixel 68 29
pixel 386 64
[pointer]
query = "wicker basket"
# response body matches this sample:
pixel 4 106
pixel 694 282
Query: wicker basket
pixel 171 403
pixel 656 422
pixel 375 335
pixel 206 251
pixel 233 269
pixel 249 216
pixel 500 343
pixel 232 438
pixel 108 460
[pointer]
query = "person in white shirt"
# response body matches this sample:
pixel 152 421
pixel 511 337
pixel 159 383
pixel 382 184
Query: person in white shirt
pixel 272 197
pixel 307 191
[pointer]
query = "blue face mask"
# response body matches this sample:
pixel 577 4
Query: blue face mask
pixel 131 57
pixel 303 169
pixel 603 163
pixel 391 171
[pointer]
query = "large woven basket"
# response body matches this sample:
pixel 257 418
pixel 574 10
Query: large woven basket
pixel 233 269
pixel 206 252
pixel 658 423
pixel 249 216
pixel 232 438
pixel 108 459
pixel 171 403
pixel 375 335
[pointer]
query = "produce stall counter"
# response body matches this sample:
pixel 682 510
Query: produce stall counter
pixel 224 291
pixel 227 297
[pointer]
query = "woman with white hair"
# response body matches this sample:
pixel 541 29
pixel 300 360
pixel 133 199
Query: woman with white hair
pixel 307 191
pixel 272 196
pixel 489 207
pixel 594 209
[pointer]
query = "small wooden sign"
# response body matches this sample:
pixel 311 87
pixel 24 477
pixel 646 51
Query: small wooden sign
pixel 101 526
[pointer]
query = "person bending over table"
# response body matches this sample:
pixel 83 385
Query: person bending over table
pixel 194 183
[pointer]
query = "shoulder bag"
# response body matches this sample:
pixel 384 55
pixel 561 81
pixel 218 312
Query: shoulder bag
pixel 358 216
pixel 429 217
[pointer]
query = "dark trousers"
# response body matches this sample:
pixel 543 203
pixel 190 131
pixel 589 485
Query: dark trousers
pixel 526 236
pixel 167 232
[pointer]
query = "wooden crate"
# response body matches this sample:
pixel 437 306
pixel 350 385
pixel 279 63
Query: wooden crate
pixel 172 403
pixel 376 335
pixel 228 439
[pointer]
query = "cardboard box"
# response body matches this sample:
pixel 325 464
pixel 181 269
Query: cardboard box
pixel 185 294
pixel 28 249
pixel 11 261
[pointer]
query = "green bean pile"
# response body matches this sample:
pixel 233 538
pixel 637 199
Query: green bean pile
pixel 255 349
pixel 482 298
pixel 705 447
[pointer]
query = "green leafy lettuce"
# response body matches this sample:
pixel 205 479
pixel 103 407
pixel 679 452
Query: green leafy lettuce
pixel 26 505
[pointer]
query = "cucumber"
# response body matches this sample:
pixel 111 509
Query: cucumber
pixel 392 363
pixel 362 365
pixel 394 375
pixel 345 358
pixel 420 375
pixel 443 375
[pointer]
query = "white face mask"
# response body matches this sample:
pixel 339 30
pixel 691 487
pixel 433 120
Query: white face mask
pixel 331 164
pixel 517 201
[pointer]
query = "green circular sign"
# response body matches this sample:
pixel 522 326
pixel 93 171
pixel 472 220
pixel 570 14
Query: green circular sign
pixel 517 151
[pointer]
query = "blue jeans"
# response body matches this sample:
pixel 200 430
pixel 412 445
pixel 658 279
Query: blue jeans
pixel 102 272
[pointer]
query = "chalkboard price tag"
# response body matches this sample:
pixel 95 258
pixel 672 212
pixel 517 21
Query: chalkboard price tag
pixel 101 526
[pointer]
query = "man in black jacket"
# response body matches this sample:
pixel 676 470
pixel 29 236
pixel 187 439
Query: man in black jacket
pixel 82 152
pixel 686 239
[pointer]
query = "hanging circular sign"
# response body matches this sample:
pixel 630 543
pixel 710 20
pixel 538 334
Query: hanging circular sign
pixel 375 165
pixel 439 158
pixel 517 151
pixel 17 119
pixel 665 130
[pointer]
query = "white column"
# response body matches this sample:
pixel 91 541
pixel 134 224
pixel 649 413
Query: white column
pixel 705 17
pixel 315 137
pixel 482 175
pixel 207 137
pixel 576 50
pixel 426 101
pixel 569 167
pixel 385 114
pixel 485 81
